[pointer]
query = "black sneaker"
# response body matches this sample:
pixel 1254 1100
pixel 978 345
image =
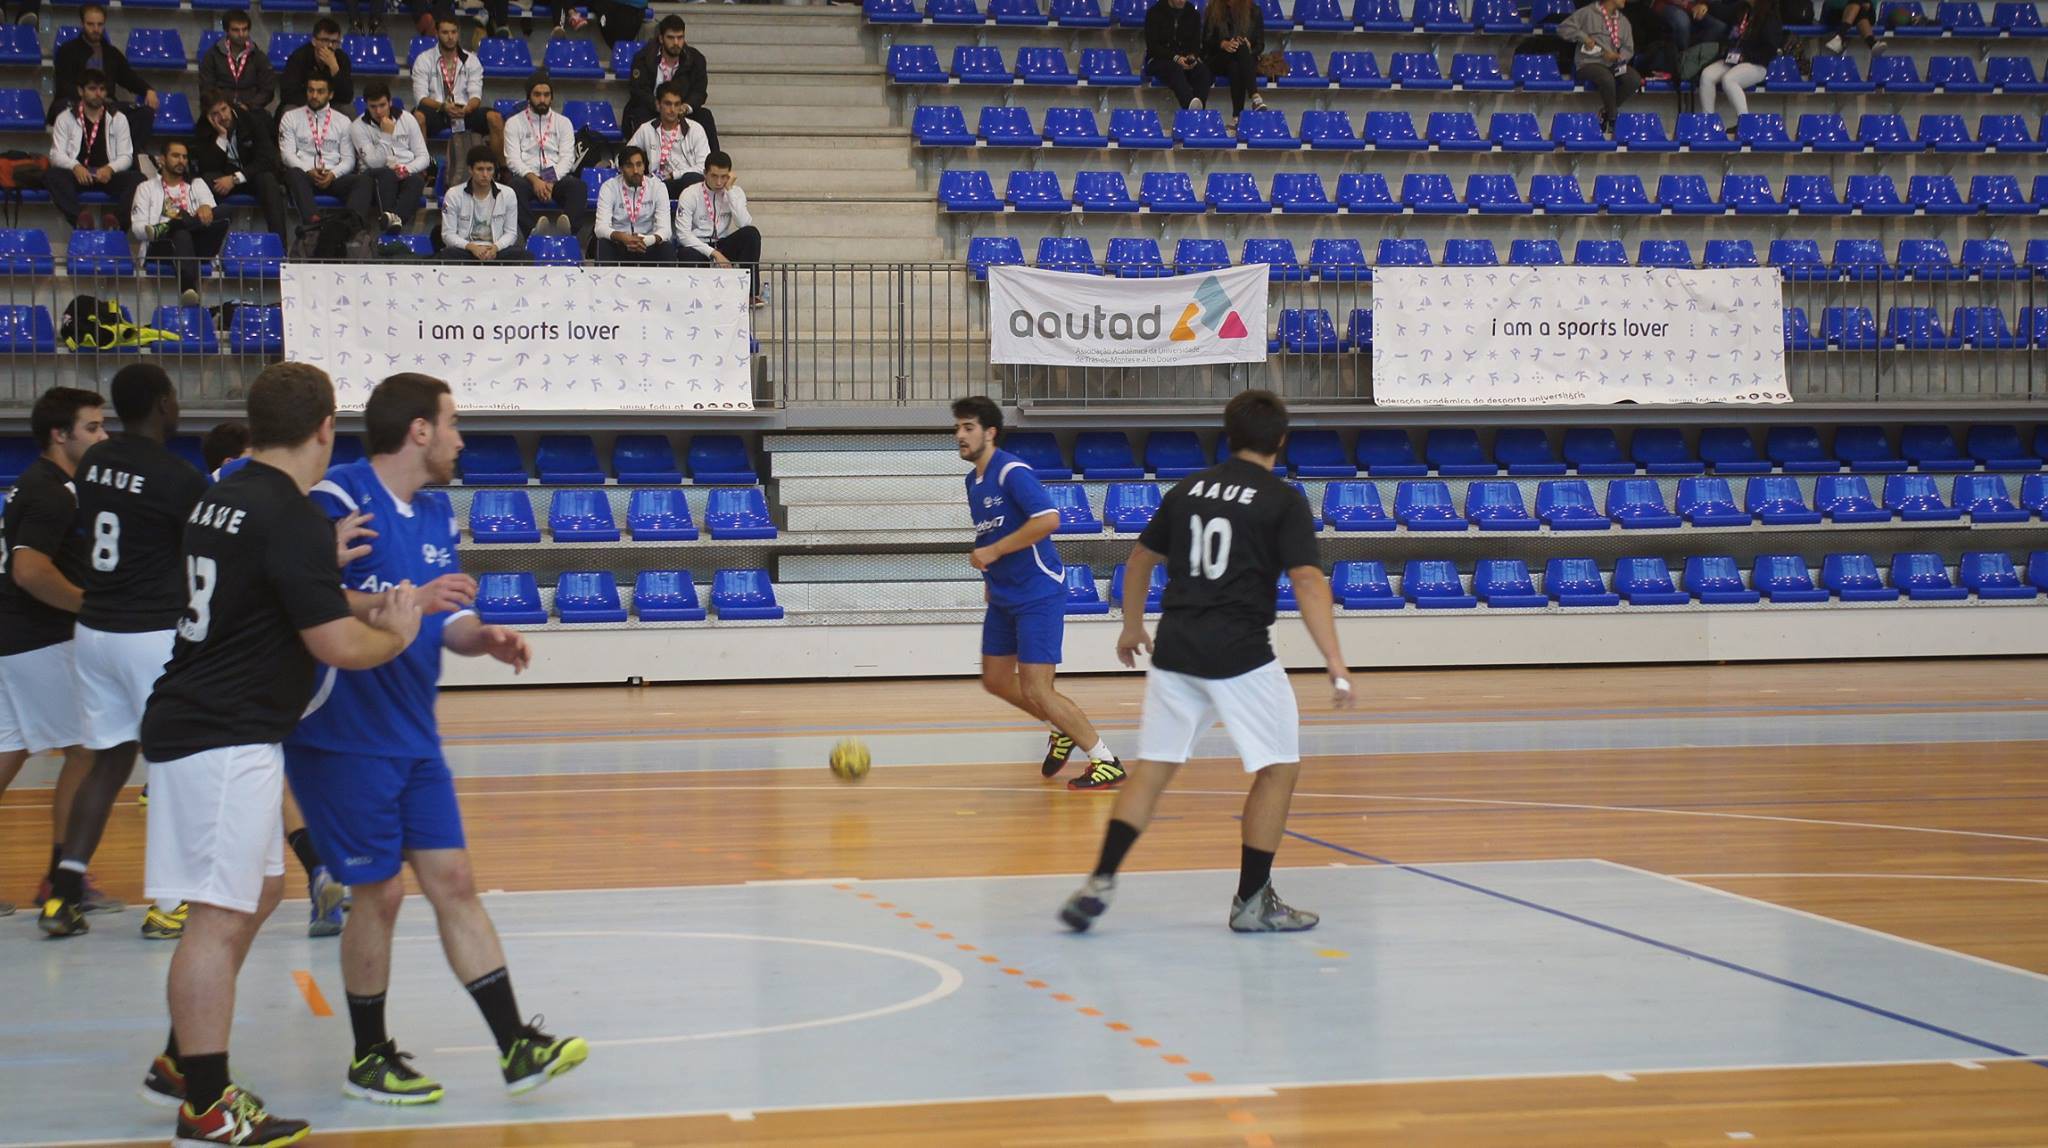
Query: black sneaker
pixel 165 1084
pixel 1090 901
pixel 1101 775
pixel 61 918
pixel 384 1076
pixel 1058 748
pixel 537 1058
pixel 237 1118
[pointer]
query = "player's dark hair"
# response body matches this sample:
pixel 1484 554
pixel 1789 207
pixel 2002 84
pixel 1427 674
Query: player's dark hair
pixel 669 24
pixel 238 16
pixel 91 76
pixel 539 79
pixel 626 153
pixel 225 441
pixel 981 409
pixel 89 9
pixel 376 90
pixel 138 388
pixel 481 153
pixel 1255 421
pixel 57 409
pixel 325 26
pixel 397 401
pixel 287 404
pixel 718 159
pixel 672 88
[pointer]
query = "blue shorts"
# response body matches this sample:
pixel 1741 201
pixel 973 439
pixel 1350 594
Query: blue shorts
pixel 1028 631
pixel 365 812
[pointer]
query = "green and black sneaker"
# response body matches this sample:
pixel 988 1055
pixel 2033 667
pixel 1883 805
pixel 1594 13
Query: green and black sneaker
pixel 537 1058
pixel 1058 748
pixel 1107 773
pixel 385 1076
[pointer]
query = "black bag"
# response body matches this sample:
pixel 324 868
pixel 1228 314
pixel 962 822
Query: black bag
pixel 592 150
pixel 1797 12
pixel 91 323
pixel 331 242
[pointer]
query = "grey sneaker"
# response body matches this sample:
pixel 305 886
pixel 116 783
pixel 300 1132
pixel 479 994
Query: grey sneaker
pixel 1087 903
pixel 1267 913
pixel 6 908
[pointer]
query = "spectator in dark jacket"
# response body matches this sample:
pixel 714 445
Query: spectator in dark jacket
pixel 668 58
pixel 91 50
pixel 231 155
pixel 321 54
pixel 1752 44
pixel 1233 35
pixel 1173 51
pixel 239 70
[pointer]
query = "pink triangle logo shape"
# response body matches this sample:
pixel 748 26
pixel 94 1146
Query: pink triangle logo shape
pixel 1233 328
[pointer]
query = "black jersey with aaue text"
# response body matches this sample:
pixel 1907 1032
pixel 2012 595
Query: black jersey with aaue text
pixel 259 567
pixel 133 498
pixel 42 515
pixel 1228 534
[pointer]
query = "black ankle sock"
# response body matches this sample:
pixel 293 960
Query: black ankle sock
pixel 366 1017
pixel 171 1046
pixel 492 993
pixel 1253 872
pixel 302 848
pixel 68 884
pixel 56 857
pixel 206 1077
pixel 1116 842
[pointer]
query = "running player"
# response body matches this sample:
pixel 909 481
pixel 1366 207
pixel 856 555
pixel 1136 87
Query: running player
pixel 1226 535
pixel 133 498
pixel 264 600
pixel 366 763
pixel 1026 588
pixel 42 561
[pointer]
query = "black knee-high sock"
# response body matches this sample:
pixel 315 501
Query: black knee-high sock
pixel 56 859
pixel 366 1017
pixel 1253 872
pixel 171 1047
pixel 1116 842
pixel 206 1077
pixel 302 848
pixel 492 993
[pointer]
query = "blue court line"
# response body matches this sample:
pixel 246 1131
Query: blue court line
pixel 1798 986
pixel 1539 808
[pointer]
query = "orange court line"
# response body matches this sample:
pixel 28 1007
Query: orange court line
pixel 310 989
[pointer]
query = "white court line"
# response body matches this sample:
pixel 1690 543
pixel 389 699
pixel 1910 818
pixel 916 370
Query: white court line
pixel 1866 877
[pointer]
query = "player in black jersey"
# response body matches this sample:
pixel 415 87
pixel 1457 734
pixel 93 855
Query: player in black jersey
pixel 42 562
pixel 1226 535
pixel 264 600
pixel 133 498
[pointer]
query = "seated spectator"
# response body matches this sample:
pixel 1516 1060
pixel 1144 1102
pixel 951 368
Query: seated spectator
pixel 393 156
pixel 1690 22
pixel 448 88
pixel 713 227
pixel 676 144
pixel 1173 51
pixel 1605 46
pixel 669 59
pixel 540 152
pixel 320 157
pixel 1657 54
pixel 230 154
pixel 322 56
pixel 223 444
pixel 633 217
pixel 619 21
pixel 480 218
pixel 90 51
pixel 1233 35
pixel 173 218
pixel 1850 18
pixel 1751 48
pixel 90 150
pixel 240 71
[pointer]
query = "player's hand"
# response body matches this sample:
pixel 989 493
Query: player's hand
pixel 508 646
pixel 1341 696
pixel 447 594
pixel 1132 642
pixel 398 612
pixel 352 538
pixel 983 557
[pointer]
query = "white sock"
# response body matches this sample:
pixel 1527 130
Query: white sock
pixel 73 866
pixel 167 905
pixel 1100 752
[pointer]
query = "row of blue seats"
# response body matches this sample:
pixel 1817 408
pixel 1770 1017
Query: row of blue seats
pixel 1353 505
pixel 1959 18
pixel 372 54
pixel 1457 452
pixel 21 110
pixel 945 125
pixel 251 255
pixel 1505 583
pixel 636 460
pixel 1311 330
pixel 1470 72
pixel 1367 193
pixel 653 514
pixel 592 596
pixel 1343 260
pixel 255 330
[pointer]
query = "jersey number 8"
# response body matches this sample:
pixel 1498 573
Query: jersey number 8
pixel 201 576
pixel 1209 549
pixel 106 541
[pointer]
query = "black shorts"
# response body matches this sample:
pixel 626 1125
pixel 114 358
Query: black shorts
pixel 438 121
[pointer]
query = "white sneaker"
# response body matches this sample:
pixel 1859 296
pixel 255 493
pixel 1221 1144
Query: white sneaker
pixel 392 222
pixel 1087 903
pixel 1265 912
pixel 1833 47
pixel 1195 105
pixel 545 225
pixel 1258 102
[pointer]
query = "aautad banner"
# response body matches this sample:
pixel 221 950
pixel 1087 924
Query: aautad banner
pixel 528 338
pixel 1058 319
pixel 1513 336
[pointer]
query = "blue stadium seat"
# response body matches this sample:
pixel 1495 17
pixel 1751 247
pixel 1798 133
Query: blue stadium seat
pixel 2013 75
pixel 1076 515
pixel 1366 193
pixel 504 57
pixel 1479 72
pixel 2018 18
pixel 1534 252
pixel 1799 335
pixel 1318 453
pixel 1962 18
pixel 1917 498
pixel 581 516
pixel 1454 452
pixel 1561 195
pixel 1750 195
pixel 1191 256
pixel 1495 195
pixel 2000 195
pixel 1947 133
pixel 1986 498
pixel 915 64
pixel 1435 585
pixel 1107 68
pixel 1454 131
pixel 26 329
pixel 968 191
pixel 1036 191
pixel 1642 131
pixel 1799 260
pixel 1351 506
pixel 1825 133
pixel 491 460
pixel 986 251
pixel 1358 328
pixel 502 516
pixel 1516 131
pixel 194 327
pixel 1526 451
pixel 1017 14
pixel 1202 128
pixel 1577 582
pixel 1924 578
pixel 1266 130
pixel 1392 131
pixel 99 253
pixel 1045 66
pixel 876 12
pixel 1846 498
pixel 1129 506
pixel 1885 132
pixel 251 255
pixel 744 595
pixel 1417 71
pixel 1387 452
pixel 660 515
pixel 1638 504
pixel 1579 131
pixel 1078 14
pixel 953 12
pixel 1504 584
pixel 738 512
pixel 2034 495
pixel 1669 253
pixel 1867 449
pixel 1662 450
pixel 1917 329
pixel 1862 260
pixel 1933 448
pixel 1775 500
pixel 1937 195
pixel 1139 128
pixel 1622 195
pixel 26 251
pixel 21 109
pixel 1499 17
pixel 980 65
pixel 1497 506
pixel 1007 127
pixel 1812 195
pixel 1363 585
pixel 1329 131
pixel 1301 193
pixel 1170 192
pixel 1990 574
pixel 1704 131
pixel 1074 127
pixel 1174 454
pixel 1103 191
pixel 1082 596
pixel 1279 257
pixel 1100 455
pixel 1321 15
pixel 1537 72
pixel 1854 578
pixel 1729 253
pixel 1128 258
pixel 1785 578
pixel 1999 448
pixel 1647 582
pixel 1426 506
pixel 1717 581
pixel 1709 502
pixel 1784 75
pixel 1470 253
pixel 720 459
pixel 156 49
pixel 1154 590
pixel 555 250
pixel 19 46
pixel 567 460
pixel 1070 253
pixel 1357 71
pixel 257 330
pixel 173 114
pixel 661 596
pixel 1761 132
pixel 1595 450
pixel 371 54
pixel 1403 253
pixel 1306 331
pixel 509 600
pixel 941 125
pixel 1898 74
pixel 1850 328
pixel 1839 74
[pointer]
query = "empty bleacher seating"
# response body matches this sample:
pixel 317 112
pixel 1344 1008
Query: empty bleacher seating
pixel 666 596
pixel 660 515
pixel 744 595
pixel 588 596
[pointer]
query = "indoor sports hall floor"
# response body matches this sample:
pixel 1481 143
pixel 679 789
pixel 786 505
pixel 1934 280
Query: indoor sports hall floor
pixel 1790 905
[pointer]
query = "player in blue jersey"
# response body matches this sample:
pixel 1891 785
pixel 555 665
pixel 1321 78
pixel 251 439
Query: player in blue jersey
pixel 1026 588
pixel 366 761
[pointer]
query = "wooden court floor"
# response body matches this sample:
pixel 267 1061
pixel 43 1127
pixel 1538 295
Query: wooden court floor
pixel 1943 843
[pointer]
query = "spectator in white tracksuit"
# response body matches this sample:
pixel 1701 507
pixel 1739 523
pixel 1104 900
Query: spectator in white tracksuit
pixel 480 219
pixel 320 155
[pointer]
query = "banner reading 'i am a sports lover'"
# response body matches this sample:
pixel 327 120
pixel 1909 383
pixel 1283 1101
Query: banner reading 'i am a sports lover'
pixel 1054 318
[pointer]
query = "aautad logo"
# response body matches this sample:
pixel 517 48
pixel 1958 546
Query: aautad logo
pixel 1212 303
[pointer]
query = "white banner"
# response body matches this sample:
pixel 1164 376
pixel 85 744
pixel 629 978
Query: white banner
pixel 528 338
pixel 1513 336
pixel 1060 319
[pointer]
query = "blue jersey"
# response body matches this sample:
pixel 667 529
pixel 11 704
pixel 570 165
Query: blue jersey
pixel 1002 499
pixel 229 467
pixel 388 711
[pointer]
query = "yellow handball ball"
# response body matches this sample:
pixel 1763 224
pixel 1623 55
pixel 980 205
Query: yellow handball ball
pixel 850 759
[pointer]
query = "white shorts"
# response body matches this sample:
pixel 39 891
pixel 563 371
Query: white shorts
pixel 216 826
pixel 115 674
pixel 1257 709
pixel 39 700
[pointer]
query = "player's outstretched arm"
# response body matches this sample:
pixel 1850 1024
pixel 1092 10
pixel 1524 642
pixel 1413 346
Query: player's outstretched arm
pixel 1318 613
pixel 469 637
pixel 362 644
pixel 1137 587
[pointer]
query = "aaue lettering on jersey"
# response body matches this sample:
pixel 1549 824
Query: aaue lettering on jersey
pixel 1232 492
pixel 118 479
pixel 225 518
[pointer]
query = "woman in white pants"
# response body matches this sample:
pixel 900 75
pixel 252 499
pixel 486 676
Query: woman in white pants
pixel 1753 42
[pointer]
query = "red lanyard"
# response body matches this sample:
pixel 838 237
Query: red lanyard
pixel 448 76
pixel 633 202
pixel 91 131
pixel 1613 29
pixel 182 198
pixel 540 136
pixel 319 135
pixel 664 71
pixel 711 205
pixel 1740 29
pixel 237 63
pixel 667 141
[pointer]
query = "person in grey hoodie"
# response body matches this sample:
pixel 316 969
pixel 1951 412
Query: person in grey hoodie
pixel 1605 47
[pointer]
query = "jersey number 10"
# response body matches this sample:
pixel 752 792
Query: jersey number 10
pixel 1209 547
